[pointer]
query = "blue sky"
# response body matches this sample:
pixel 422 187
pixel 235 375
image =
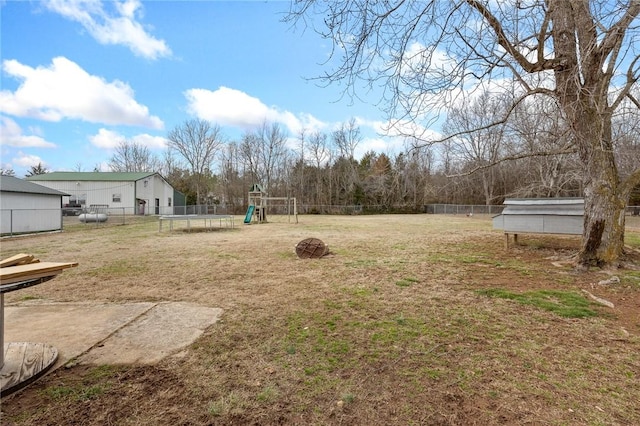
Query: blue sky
pixel 80 76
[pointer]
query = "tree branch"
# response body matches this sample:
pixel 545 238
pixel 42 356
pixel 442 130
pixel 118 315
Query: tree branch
pixel 503 120
pixel 566 150
pixel 494 23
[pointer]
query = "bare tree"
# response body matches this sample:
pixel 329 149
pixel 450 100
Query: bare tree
pixel 264 151
pixel 7 172
pixel 169 163
pixel 478 144
pixel 130 156
pixel 233 185
pixel 320 155
pixel 414 169
pixel 537 125
pixel 197 141
pixel 347 138
pixel 38 169
pixel 626 137
pixel 302 141
pixel 582 54
pixel 344 171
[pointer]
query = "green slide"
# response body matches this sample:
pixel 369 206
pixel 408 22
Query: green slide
pixel 247 218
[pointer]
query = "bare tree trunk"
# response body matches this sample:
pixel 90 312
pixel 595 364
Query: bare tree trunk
pixel 585 103
pixel 604 220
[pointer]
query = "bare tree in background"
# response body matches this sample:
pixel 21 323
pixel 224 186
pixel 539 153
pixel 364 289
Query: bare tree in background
pixel 344 171
pixel 347 138
pixel 479 144
pixel 538 126
pixel 197 141
pixel 319 156
pixel 131 156
pixel 582 54
pixel 264 151
pixel 234 187
pixel 626 137
pixel 38 169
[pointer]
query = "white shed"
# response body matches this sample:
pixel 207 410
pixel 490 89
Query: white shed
pixel 540 216
pixel 27 207
pixel 141 193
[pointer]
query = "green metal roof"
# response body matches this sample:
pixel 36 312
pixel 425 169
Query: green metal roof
pixel 91 176
pixel 13 184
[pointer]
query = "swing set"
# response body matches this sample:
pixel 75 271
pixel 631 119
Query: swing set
pixel 258 202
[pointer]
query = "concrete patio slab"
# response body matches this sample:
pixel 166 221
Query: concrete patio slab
pixel 105 333
pixel 159 332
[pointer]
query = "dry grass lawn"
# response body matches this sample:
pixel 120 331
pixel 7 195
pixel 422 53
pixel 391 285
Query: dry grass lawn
pixel 412 319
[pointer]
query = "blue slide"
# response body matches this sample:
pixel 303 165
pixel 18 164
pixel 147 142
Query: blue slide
pixel 247 218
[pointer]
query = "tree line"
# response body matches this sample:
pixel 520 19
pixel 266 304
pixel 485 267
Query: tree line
pixel 525 156
pixel 528 155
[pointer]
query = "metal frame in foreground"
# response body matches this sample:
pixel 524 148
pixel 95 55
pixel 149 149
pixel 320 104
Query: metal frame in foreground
pixel 226 220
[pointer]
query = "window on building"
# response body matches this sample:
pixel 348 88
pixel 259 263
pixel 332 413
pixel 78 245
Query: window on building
pixel 116 198
pixel 78 200
pixel 169 202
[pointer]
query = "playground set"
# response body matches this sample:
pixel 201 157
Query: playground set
pixel 258 202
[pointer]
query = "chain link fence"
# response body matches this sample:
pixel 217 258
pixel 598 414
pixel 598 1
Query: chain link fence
pixel 28 221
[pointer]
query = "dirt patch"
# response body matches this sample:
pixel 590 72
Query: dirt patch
pixel 106 395
pixel 389 329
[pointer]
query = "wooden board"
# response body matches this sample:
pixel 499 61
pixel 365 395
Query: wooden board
pixel 8 281
pixel 24 362
pixel 17 273
pixel 18 259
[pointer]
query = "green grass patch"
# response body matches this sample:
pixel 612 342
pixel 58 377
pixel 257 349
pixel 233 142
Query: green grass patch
pixel 564 303
pixel 29 297
pixel 267 394
pixel 631 278
pixel 406 282
pixel 287 255
pixel 227 405
pixel 632 239
pixel 102 372
pixel 347 398
pixel 74 393
pixel 361 263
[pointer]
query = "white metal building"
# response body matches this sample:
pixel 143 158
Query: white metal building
pixel 26 207
pixel 130 193
pixel 541 216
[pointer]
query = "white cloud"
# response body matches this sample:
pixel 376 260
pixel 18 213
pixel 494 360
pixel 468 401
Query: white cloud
pixel 152 142
pixel 26 160
pixel 231 107
pixel 65 90
pixel 11 135
pixel 108 139
pixel 400 129
pixel 118 27
pixel 377 145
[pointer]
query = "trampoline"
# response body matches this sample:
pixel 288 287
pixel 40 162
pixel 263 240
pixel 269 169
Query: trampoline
pixel 223 221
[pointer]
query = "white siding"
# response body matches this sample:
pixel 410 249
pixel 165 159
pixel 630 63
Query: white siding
pixel 155 188
pixel 542 215
pixel 23 212
pixel 97 192
pixel 131 192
